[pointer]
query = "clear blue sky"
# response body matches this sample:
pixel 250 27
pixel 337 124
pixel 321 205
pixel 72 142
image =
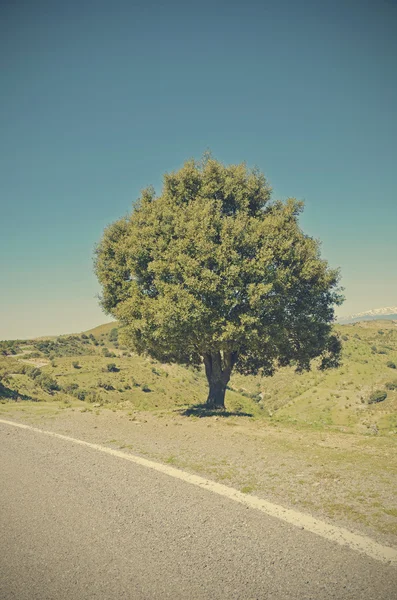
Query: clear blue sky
pixel 99 99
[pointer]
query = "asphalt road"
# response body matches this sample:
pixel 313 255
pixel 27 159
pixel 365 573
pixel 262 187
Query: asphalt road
pixel 76 524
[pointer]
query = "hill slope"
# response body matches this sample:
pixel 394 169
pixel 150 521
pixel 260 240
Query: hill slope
pixel 79 368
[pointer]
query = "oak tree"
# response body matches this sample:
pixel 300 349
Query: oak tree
pixel 213 272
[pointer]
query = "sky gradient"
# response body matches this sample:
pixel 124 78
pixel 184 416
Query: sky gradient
pixel 100 99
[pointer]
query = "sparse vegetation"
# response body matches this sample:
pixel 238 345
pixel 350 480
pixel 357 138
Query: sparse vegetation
pixel 377 396
pixel 337 399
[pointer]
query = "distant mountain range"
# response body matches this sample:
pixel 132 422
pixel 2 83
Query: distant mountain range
pixel 389 312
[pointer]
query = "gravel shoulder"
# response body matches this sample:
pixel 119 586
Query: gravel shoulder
pixel 346 479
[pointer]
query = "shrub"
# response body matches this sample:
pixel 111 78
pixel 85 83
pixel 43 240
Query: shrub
pixel 391 364
pixel 105 352
pixel 377 396
pixel 47 383
pixel 81 395
pixel 70 388
pixel 113 335
pixel 111 367
pixel 75 364
pixel 391 385
pixel 33 372
pixel 105 385
pixel 93 397
pixel 145 388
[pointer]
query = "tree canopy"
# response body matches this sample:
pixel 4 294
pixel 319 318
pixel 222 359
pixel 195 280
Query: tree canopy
pixel 213 271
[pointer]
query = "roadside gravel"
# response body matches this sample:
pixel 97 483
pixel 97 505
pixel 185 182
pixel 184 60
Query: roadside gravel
pixel 348 480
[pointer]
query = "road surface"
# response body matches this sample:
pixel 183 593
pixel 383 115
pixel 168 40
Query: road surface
pixel 76 523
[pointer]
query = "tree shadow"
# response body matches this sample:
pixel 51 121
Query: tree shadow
pixel 202 410
pixel 9 394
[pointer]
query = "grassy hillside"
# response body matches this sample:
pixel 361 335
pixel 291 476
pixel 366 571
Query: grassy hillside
pixel 101 329
pixel 92 370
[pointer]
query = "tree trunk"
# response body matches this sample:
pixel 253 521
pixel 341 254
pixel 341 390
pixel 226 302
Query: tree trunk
pixel 218 370
pixel 216 394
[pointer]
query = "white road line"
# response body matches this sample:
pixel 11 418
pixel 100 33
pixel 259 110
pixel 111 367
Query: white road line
pixel 360 543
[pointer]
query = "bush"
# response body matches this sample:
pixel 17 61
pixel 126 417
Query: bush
pixel 70 388
pixel 105 352
pixel 75 364
pixel 377 396
pixel 105 385
pixel 145 388
pixel 33 372
pixel 391 364
pixel 114 335
pixel 111 367
pixel 391 385
pixel 93 397
pixel 47 383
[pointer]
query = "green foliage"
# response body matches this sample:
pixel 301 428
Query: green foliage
pixel 391 364
pixel 107 354
pixel 105 385
pixel 391 385
pixel 9 347
pixel 212 269
pixel 69 345
pixel 70 388
pixel 32 372
pixel 112 368
pixel 93 397
pixel 377 396
pixel 76 364
pixel 47 383
pixel 113 335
